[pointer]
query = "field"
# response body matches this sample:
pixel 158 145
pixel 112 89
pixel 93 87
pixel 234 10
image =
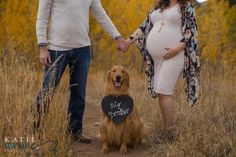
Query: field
pixel 208 129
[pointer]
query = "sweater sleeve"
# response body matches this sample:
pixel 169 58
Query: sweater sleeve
pixel 102 17
pixel 44 11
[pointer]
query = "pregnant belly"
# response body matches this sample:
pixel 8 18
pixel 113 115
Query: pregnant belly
pixel 156 42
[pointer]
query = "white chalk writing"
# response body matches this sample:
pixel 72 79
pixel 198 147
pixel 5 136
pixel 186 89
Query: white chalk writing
pixel 115 105
pixel 119 112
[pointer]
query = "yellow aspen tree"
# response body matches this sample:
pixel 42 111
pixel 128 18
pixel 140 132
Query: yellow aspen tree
pixel 18 22
pixel 213 30
pixel 232 34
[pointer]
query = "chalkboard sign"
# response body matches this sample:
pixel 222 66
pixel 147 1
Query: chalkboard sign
pixel 117 108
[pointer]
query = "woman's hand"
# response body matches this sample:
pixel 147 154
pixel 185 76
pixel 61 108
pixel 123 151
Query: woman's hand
pixel 170 53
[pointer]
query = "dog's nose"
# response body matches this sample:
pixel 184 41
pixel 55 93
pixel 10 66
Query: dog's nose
pixel 118 77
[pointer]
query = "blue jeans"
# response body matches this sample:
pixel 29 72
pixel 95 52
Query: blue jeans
pixel 79 62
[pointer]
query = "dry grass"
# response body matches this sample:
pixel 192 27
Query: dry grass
pixel 209 129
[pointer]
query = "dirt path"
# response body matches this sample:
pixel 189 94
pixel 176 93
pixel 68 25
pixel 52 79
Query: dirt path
pixel 91 128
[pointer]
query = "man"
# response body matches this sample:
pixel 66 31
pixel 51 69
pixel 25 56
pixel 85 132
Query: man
pixel 63 42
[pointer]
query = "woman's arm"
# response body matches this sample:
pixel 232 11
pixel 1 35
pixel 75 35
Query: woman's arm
pixel 134 36
pixel 140 31
pixel 180 47
pixel 189 32
pixel 190 26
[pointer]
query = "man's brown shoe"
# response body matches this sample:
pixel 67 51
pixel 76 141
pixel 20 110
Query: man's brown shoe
pixel 82 138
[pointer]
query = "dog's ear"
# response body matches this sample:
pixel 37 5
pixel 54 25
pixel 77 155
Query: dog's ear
pixel 108 76
pixel 128 82
pixel 127 75
pixel 126 70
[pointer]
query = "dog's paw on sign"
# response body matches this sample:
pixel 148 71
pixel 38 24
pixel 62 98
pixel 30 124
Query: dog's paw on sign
pixel 117 108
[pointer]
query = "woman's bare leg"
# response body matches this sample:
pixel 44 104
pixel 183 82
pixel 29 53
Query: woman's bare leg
pixel 166 105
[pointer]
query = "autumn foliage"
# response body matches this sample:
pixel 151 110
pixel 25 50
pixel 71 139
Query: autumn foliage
pixel 209 129
pixel 216 21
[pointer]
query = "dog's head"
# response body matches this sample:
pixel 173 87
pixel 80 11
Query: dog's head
pixel 118 77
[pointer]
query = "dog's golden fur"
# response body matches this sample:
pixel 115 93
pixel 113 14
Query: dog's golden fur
pixel 131 131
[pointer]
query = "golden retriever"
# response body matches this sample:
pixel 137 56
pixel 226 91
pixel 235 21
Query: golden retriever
pixel 131 131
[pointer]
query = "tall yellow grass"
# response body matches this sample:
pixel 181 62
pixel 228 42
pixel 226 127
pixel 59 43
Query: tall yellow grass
pixel 209 129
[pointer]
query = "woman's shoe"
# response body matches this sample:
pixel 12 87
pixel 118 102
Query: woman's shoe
pixel 167 136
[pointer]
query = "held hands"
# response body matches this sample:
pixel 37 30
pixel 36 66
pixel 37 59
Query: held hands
pixel 123 45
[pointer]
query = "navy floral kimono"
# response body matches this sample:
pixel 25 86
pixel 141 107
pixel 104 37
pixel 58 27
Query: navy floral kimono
pixel 191 55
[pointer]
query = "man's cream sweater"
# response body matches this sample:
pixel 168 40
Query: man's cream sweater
pixel 64 24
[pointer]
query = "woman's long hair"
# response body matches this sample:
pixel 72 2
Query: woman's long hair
pixel 163 4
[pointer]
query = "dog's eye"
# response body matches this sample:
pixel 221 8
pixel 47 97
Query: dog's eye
pixel 123 71
pixel 114 71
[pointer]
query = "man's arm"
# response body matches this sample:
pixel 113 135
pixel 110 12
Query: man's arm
pixel 44 11
pixel 102 17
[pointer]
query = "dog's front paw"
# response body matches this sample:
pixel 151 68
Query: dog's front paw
pixel 123 150
pixel 104 150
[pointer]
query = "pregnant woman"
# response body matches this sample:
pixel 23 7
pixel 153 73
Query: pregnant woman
pixel 168 41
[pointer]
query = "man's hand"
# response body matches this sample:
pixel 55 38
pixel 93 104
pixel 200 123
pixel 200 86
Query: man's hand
pixel 44 56
pixel 123 45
